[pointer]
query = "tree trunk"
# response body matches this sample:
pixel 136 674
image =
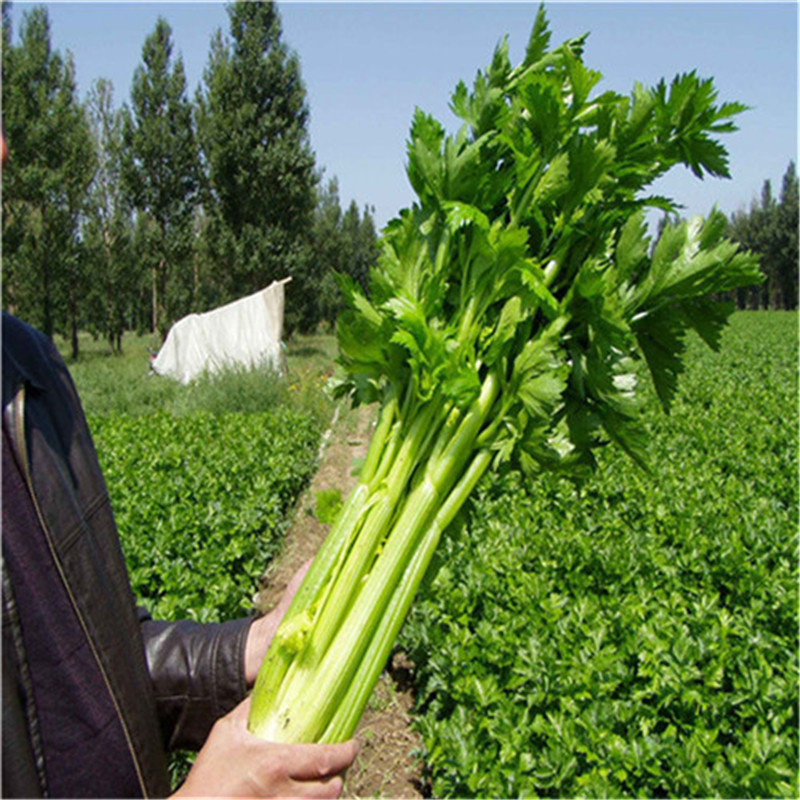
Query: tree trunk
pixel 741 299
pixel 74 326
pixel 162 308
pixel 47 302
pixel 160 277
pixel 195 280
pixel 72 303
pixel 154 328
pixel 110 317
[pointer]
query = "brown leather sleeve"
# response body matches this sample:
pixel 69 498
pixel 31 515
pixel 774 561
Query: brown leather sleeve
pixel 197 672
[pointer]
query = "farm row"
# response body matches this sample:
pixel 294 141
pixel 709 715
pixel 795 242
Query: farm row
pixel 203 502
pixel 638 637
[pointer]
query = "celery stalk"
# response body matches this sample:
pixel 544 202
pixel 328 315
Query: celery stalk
pixel 504 316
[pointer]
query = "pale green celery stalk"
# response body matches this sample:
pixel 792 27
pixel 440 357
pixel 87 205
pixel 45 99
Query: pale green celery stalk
pixel 371 533
pixel 381 443
pixel 298 615
pixel 390 454
pixel 347 715
pixel 358 646
pixel 295 719
pixel 296 621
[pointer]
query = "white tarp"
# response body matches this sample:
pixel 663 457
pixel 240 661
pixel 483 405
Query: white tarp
pixel 244 333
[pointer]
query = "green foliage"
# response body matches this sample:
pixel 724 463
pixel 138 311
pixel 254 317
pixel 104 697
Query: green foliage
pixel 114 220
pixel 108 228
pixel 639 638
pixel 252 120
pixel 344 244
pixel 328 505
pixel 46 182
pixel 526 259
pixel 160 168
pixel 361 245
pixel 202 502
pixel 770 229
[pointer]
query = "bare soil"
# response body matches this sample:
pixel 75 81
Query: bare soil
pixel 388 765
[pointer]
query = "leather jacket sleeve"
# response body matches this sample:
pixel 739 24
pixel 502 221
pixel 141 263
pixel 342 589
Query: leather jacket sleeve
pixel 197 672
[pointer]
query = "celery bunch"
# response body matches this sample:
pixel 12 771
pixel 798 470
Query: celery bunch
pixel 502 324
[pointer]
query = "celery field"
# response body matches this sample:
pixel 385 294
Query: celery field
pixel 636 639
pixel 639 639
pixel 203 501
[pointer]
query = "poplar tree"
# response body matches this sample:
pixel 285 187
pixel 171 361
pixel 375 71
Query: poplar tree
pixel 345 244
pixel 770 228
pixel 45 185
pixel 252 120
pixel 361 243
pixel 108 229
pixel 161 173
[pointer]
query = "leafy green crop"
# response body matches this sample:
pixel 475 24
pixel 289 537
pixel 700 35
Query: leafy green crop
pixel 202 502
pixel 505 316
pixel 638 639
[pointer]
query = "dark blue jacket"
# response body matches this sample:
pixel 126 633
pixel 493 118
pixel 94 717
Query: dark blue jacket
pixel 170 680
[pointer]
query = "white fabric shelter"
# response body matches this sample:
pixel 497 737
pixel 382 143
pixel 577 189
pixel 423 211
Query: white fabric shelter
pixel 245 333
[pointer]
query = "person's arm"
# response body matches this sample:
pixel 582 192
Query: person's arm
pixel 197 674
pixel 200 672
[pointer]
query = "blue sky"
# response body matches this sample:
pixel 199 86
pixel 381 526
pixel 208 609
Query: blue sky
pixel 366 65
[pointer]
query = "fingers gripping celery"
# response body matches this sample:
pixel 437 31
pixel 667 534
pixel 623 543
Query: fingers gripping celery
pixel 505 318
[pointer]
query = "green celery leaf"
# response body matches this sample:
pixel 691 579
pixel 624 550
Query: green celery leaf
pixel 540 373
pixel 504 331
pixel 582 80
pixel 463 386
pixel 632 247
pixel 424 167
pixel 555 181
pixel 661 338
pixel 709 318
pixel 539 39
pixel 328 503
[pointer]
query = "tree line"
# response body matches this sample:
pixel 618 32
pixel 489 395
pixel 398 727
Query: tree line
pixel 128 218
pixel 770 228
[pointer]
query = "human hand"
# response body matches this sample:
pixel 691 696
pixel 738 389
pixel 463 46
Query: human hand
pixel 234 763
pixel 263 629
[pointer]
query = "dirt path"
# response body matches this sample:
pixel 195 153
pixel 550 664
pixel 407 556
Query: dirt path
pixel 387 766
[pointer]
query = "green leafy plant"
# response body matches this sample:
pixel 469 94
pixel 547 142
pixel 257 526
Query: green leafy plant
pixel 203 502
pixel 328 505
pixel 504 318
pixel 633 641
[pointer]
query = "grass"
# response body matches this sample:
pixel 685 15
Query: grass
pixel 123 384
